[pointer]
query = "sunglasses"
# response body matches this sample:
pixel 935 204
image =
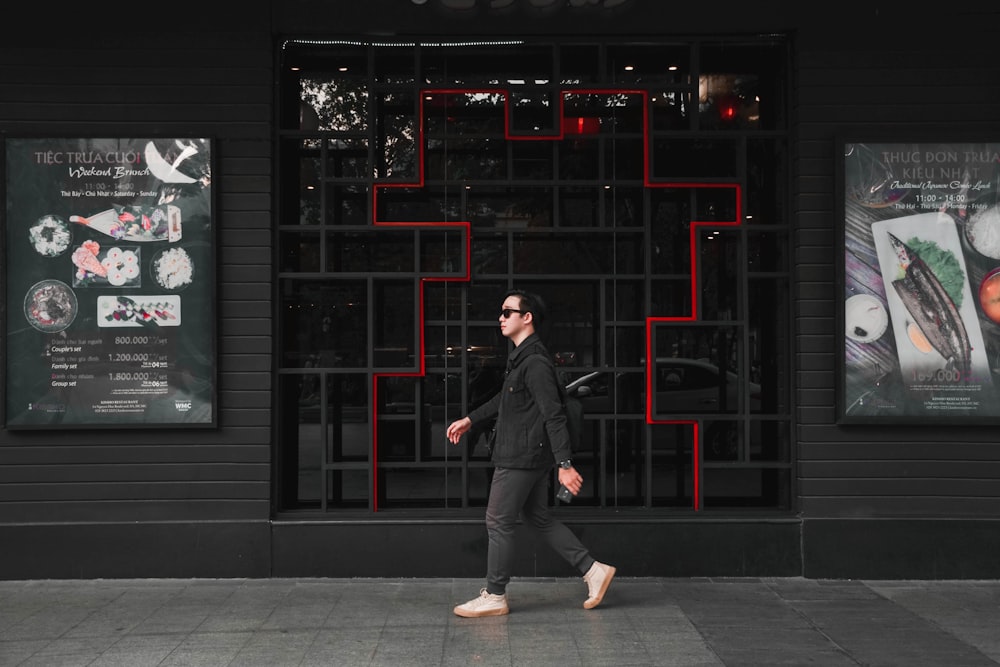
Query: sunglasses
pixel 506 312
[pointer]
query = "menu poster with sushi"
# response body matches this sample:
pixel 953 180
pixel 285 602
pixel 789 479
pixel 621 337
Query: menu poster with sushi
pixel 110 283
pixel 921 283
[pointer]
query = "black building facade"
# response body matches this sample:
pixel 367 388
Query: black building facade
pixel 671 180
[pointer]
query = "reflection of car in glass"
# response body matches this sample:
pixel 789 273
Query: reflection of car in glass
pixel 682 387
pixel 693 386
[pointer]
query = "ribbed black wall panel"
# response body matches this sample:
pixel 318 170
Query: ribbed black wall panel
pixel 886 77
pixel 886 483
pixel 155 502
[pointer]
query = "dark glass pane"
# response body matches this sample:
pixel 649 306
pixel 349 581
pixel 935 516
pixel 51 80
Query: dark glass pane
pixel 672 469
pixel 579 63
pixel 485 299
pixel 670 298
pixel 300 436
pixel 396 120
pixel 395 324
pixel 625 300
pixel 443 301
pixel 489 255
pixel 630 391
pixel 579 159
pixel 719 274
pixel 487 353
pixel 624 475
pixel 346 204
pixel 671 110
pixel 623 207
pixel 466 159
pixel 629 253
pixel 670 236
pixel 442 404
pixel 347 158
pixel 382 250
pixel 767 251
pixel 626 346
pixel 579 207
pixel 716 205
pixel 509 207
pixel 394 64
pixel 323 323
pixel 770 441
pixel 419 205
pixel 571 329
pixel 397 395
pixel 767 179
pixel 299 251
pixel 532 160
pixel 487 359
pixel 442 251
pixel 624 159
pixel 771 345
pixel 310 173
pixel 347 398
pixel 587 460
pixel 562 253
pixel 695 158
pixel 533 112
pixel 443 347
pixel 722 440
pixel 348 488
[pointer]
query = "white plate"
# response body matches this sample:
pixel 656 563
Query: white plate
pixel 866 318
pixel 172 268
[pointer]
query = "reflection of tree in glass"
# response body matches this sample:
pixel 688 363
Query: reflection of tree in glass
pixel 341 104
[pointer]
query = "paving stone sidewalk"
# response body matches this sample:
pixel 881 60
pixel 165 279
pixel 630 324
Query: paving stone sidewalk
pixel 403 622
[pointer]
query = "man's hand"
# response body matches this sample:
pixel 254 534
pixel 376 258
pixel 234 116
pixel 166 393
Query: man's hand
pixel 571 479
pixel 457 429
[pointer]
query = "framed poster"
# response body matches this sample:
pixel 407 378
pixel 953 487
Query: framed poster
pixel 920 313
pixel 109 283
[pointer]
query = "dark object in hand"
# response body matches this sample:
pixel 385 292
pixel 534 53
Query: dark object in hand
pixel 564 494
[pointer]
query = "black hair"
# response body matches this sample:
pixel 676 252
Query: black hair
pixel 531 303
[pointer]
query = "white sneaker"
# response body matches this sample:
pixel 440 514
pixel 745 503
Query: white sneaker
pixel 486 604
pixel 598 579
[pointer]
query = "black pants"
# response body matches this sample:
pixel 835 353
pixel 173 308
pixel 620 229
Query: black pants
pixel 513 493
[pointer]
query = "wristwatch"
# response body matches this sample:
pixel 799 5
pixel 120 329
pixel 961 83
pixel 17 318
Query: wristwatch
pixel 567 464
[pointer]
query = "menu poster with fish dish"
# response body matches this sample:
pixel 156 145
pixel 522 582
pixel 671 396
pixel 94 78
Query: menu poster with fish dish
pixel 109 283
pixel 921 283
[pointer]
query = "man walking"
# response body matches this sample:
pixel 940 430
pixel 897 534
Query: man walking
pixel 531 436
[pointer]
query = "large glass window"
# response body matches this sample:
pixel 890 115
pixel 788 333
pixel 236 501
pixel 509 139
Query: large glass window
pixel 639 187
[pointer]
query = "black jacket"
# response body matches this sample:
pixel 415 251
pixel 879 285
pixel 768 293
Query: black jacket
pixel 531 421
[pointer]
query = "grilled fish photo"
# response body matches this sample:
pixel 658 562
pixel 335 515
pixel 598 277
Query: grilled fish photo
pixel 932 309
